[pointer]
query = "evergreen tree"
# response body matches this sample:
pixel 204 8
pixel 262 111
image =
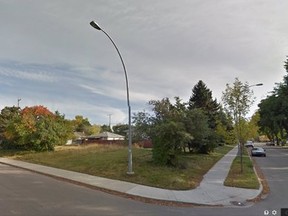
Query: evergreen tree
pixel 202 99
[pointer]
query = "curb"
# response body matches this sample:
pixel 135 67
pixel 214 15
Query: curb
pixel 117 193
pixel 261 179
pixel 210 192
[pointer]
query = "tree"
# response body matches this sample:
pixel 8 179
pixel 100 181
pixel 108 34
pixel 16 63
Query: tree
pixel 286 65
pixel 161 109
pixel 94 129
pixel 271 117
pixel 237 100
pixel 281 93
pixel 174 126
pixel 197 125
pixel 253 127
pixel 143 126
pixel 35 128
pixel 274 111
pixel 169 133
pixel 81 124
pixel 105 128
pixel 202 99
pixel 9 118
pixel 224 128
pixel 121 129
pixel 201 96
pixel 171 127
pixel 168 141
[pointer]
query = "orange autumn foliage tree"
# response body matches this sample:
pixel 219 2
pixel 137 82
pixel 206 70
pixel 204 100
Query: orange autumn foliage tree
pixel 37 128
pixel 30 116
pixel 37 111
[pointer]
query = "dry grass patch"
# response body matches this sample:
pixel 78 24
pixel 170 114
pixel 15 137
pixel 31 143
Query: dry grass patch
pixel 111 161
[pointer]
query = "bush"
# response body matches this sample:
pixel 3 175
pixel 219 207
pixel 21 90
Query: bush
pixel 168 141
pixel 162 154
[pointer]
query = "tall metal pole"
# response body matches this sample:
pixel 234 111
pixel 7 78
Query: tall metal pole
pixel 130 168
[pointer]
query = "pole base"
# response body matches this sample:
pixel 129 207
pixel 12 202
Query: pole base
pixel 130 173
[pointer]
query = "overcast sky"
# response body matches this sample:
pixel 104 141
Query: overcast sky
pixel 51 56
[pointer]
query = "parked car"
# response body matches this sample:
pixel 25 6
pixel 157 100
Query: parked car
pixel 270 144
pixel 249 144
pixel 258 151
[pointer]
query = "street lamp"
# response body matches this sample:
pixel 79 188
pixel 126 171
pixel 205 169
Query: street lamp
pixel 130 170
pixel 258 84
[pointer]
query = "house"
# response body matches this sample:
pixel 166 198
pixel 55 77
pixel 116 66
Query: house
pixel 105 136
pixel 78 138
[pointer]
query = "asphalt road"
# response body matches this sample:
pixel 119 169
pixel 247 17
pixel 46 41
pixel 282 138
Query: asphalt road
pixel 26 193
pixel 275 169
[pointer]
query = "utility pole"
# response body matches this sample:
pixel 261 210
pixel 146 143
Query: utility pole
pixel 18 102
pixel 110 121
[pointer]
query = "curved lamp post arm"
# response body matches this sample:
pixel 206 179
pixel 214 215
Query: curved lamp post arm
pixel 96 26
pixel 258 84
pixel 130 169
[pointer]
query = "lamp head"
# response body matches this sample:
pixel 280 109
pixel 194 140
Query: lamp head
pixel 95 25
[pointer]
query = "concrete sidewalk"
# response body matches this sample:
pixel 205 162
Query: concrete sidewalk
pixel 211 190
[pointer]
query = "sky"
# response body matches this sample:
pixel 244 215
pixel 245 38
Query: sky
pixel 51 56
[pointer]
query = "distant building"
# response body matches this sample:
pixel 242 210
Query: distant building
pixel 105 136
pixel 78 138
pixel 101 138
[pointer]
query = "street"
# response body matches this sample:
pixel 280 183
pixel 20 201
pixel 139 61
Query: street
pixel 275 169
pixel 28 193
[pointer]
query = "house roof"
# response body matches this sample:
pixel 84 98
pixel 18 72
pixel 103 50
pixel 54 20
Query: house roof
pixel 79 134
pixel 106 135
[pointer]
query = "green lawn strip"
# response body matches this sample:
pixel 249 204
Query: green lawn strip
pixel 246 179
pixel 111 162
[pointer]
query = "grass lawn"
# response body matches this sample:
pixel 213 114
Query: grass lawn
pixel 246 179
pixel 111 162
